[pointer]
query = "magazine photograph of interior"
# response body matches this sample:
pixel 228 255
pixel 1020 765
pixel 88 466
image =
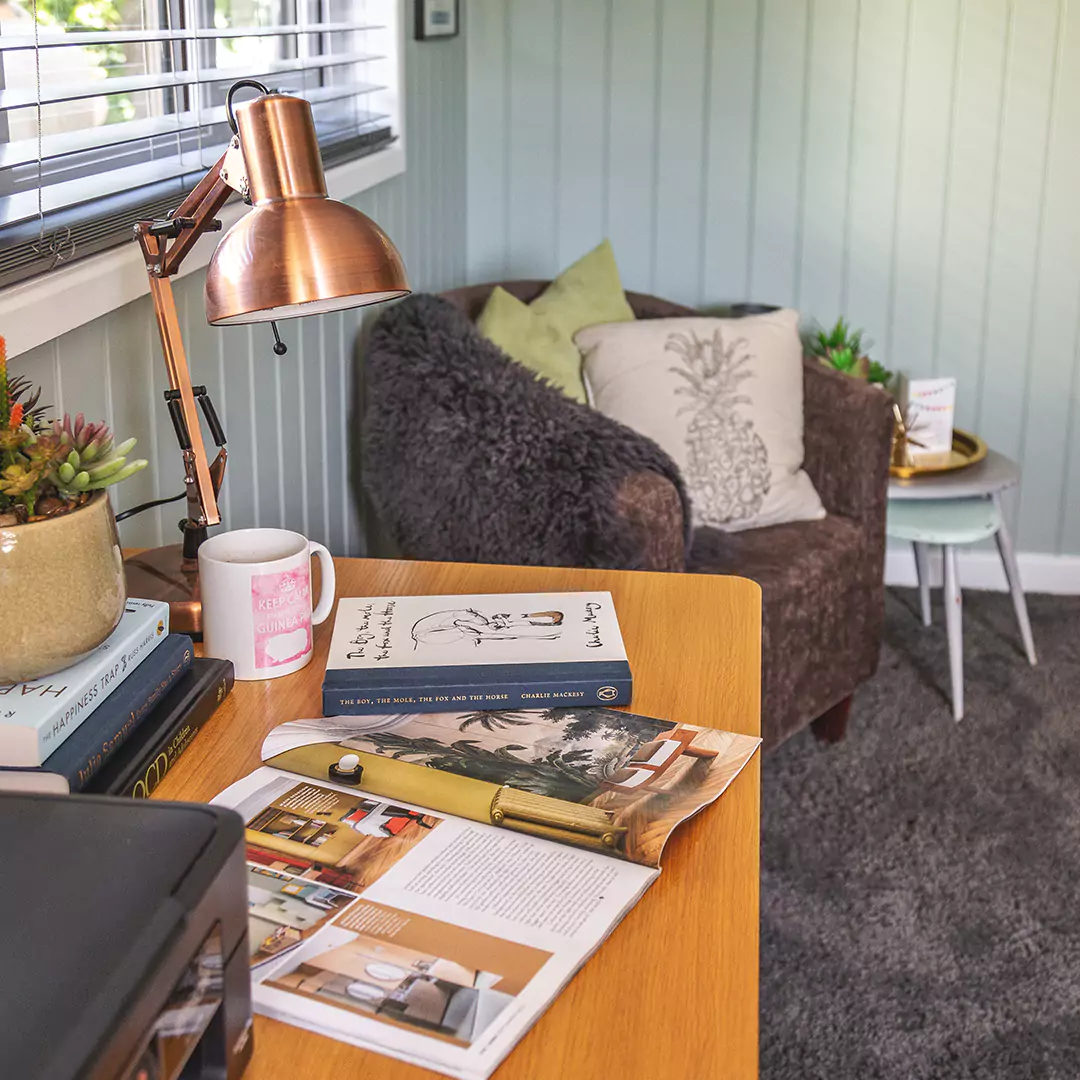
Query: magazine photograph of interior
pixel 334 838
pixel 646 774
pixel 415 972
pixel 284 910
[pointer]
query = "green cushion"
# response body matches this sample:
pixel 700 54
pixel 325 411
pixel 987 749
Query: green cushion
pixel 533 342
pixel 585 294
pixel 541 335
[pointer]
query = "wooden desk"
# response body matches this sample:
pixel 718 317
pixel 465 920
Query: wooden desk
pixel 674 991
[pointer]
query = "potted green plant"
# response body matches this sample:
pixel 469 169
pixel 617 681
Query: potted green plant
pixel 844 349
pixel 56 526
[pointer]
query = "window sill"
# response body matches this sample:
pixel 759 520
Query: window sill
pixel 43 308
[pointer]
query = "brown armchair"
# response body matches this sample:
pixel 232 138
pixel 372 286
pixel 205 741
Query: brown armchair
pixel 822 581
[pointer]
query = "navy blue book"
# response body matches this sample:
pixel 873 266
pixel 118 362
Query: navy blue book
pixel 167 732
pixel 412 654
pixel 91 744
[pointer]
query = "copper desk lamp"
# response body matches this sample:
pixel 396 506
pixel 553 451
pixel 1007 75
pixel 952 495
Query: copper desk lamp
pixel 296 253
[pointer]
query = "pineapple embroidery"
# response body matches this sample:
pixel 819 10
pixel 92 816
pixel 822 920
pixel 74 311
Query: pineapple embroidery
pixel 727 463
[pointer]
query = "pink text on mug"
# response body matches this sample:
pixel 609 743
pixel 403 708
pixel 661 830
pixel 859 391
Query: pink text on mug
pixel 281 615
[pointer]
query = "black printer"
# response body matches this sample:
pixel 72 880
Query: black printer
pixel 123 940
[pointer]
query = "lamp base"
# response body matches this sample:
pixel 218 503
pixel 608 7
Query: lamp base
pixel 164 574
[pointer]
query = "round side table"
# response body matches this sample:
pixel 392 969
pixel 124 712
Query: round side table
pixel 951 509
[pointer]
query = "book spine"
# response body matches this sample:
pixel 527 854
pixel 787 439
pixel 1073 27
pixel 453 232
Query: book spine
pixel 32 779
pixel 79 757
pixel 496 695
pixel 144 775
pixel 31 740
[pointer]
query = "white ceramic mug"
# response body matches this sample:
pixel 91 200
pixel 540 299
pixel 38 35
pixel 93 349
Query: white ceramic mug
pixel 256 599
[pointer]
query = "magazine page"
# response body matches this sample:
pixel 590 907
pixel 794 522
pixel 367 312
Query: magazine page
pixel 611 781
pixel 434 939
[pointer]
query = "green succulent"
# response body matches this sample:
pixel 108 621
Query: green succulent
pixel 878 373
pixel 841 336
pixel 88 459
pixel 844 350
pixel 49 468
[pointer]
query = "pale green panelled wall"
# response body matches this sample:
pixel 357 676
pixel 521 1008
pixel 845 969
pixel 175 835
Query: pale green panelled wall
pixel 912 164
pixel 288 419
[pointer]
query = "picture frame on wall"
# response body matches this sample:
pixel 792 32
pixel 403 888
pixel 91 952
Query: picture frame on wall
pixel 436 19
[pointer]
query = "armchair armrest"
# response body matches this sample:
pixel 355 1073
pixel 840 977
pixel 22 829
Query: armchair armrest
pixel 847 441
pixel 652 509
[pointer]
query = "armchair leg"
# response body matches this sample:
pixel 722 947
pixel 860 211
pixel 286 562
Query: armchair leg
pixel 830 726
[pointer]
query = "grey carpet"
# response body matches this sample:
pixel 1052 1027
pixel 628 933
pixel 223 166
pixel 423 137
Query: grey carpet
pixel 921 880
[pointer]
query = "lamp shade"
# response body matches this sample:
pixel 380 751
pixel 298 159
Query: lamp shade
pixel 297 252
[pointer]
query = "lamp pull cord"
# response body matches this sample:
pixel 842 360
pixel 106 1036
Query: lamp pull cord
pixel 280 348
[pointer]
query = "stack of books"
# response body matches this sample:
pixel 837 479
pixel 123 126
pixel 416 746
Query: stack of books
pixel 113 723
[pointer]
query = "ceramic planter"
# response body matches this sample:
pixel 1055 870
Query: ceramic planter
pixel 62 589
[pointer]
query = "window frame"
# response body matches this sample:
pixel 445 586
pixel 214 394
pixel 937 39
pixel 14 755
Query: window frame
pixel 42 308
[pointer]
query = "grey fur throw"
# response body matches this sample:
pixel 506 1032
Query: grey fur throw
pixel 469 457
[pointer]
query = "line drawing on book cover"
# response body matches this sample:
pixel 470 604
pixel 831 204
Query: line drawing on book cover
pixel 467 624
pixel 727 465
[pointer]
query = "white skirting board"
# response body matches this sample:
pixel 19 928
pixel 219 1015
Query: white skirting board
pixel 1040 573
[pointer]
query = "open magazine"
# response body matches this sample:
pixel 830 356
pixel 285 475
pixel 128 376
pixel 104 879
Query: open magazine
pixel 424 885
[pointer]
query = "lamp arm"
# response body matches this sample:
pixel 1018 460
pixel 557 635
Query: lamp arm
pixel 164 245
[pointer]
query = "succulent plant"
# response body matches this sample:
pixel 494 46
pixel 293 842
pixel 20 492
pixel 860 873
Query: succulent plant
pixel 33 414
pixel 844 350
pixel 88 460
pixel 48 468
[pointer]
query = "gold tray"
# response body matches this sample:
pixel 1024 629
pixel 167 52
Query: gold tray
pixel 967 449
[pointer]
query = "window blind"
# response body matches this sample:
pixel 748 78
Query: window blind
pixel 112 110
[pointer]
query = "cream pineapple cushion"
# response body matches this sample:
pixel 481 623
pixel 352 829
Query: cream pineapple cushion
pixel 723 397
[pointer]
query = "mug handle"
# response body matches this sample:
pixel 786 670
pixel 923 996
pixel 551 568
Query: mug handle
pixel 328 589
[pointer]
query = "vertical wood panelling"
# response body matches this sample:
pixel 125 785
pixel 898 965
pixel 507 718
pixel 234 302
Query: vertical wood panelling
pixel 907 338
pixel 421 107
pixel 1051 478
pixel 973 182
pixel 829 109
pixel 533 103
pixel 351 405
pixel 39 365
pixel 631 201
pixel 911 165
pixel 778 157
pixel 268 377
pixel 241 488
pixel 581 186
pixel 289 421
pixel 84 384
pixel 1018 222
pixel 729 150
pixel 129 361
pixel 308 436
pixel 877 130
pixel 681 149
pixel 331 430
pixel 454 167
pixel 486 24
pixel 283 453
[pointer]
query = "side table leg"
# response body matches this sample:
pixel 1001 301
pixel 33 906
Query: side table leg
pixel 1012 572
pixel 954 613
pixel 922 572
